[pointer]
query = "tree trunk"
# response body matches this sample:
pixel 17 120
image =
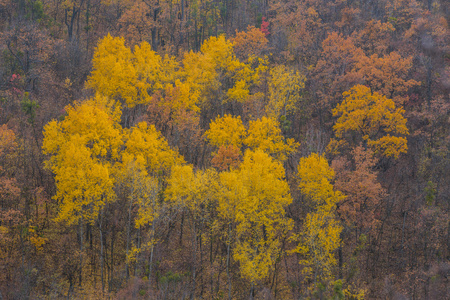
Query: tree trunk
pixel 136 266
pixel 101 251
pixel 81 249
pixel 194 256
pixel 127 267
pixel 111 274
pixel 150 262
pixel 88 7
pixel 211 263
pixel 228 262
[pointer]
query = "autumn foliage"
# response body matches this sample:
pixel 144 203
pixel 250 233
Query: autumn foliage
pixel 224 149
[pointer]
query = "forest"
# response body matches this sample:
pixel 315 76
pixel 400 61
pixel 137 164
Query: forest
pixel 224 149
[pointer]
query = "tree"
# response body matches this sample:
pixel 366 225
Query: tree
pixel 374 118
pixel 9 187
pixel 334 71
pixel 386 75
pixel 301 26
pixel 81 149
pixel 146 161
pixel 226 131
pixel 206 70
pixel 265 134
pixel 260 215
pixel 140 22
pixel 252 42
pixel 12 214
pixel 131 77
pixel 114 74
pixel 227 157
pixel 375 37
pixel 358 181
pixel 320 236
pixel 285 89
pixel 146 147
pixel 90 154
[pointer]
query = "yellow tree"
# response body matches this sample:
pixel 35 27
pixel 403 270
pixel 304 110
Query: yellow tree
pixel 225 131
pixel 320 236
pixel 148 148
pixel 372 118
pixel 265 134
pixel 153 72
pixel 146 160
pixel 203 70
pixel 82 149
pixel 253 210
pixel 114 74
pixel 227 134
pixel 261 222
pixel 285 88
pixel 131 77
pixel 217 75
pixel 90 154
pixel 233 192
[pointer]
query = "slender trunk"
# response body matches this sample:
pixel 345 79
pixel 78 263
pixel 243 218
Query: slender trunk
pixel 111 274
pixel 228 262
pixel 429 82
pixel 181 228
pixel 88 6
pixel 127 267
pixel 194 255
pixel 70 20
pixel 78 23
pixel 154 30
pixel 286 267
pixel 139 248
pixel 274 279
pixel 196 36
pixel 81 249
pixel 69 292
pixel 101 251
pixel 202 284
pixel 150 262
pixel 252 292
pixel 181 22
pixel 211 262
pixel 403 238
pixel 275 273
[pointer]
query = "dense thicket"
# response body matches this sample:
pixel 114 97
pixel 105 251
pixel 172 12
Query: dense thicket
pixel 224 149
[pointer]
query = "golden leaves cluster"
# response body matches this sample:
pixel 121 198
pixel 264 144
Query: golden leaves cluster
pixel 264 134
pixel 375 118
pixel 321 231
pixel 89 152
pixel 134 77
